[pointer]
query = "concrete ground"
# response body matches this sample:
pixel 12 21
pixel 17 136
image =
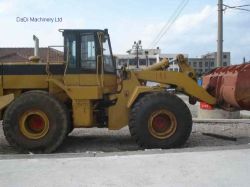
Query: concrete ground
pixel 208 168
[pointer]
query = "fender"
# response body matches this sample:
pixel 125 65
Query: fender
pixel 139 90
pixel 5 100
pixel 59 84
pixel 131 90
pixel 79 92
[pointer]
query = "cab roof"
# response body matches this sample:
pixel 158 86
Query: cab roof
pixel 83 30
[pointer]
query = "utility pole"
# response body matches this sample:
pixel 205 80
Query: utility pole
pixel 146 53
pixel 137 46
pixel 137 56
pixel 220 34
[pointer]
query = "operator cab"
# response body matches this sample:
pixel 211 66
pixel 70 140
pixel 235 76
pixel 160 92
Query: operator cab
pixel 89 59
pixel 84 48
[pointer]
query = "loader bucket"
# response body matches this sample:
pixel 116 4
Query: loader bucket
pixel 230 86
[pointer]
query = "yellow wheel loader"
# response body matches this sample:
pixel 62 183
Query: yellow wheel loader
pixel 42 102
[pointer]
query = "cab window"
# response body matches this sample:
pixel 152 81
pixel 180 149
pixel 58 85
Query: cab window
pixel 88 51
pixel 107 56
pixel 71 50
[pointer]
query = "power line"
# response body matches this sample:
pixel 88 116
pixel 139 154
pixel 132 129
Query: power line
pixel 243 9
pixel 238 7
pixel 170 22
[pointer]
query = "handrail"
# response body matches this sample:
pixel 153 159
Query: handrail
pixel 97 69
pixel 48 58
pixel 67 62
pixel 100 34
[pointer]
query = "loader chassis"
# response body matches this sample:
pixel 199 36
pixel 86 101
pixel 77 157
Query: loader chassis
pixel 42 103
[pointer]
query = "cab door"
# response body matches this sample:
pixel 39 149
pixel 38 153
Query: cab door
pixel 89 74
pixel 80 55
pixel 109 75
pixel 71 74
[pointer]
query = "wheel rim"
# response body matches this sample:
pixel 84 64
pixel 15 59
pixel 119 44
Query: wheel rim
pixel 34 124
pixel 162 124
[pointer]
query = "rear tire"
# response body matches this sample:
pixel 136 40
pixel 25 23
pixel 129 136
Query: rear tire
pixel 160 120
pixel 35 122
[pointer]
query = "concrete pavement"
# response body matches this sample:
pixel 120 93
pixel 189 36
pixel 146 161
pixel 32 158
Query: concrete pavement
pixel 208 168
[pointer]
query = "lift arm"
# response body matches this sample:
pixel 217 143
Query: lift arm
pixel 180 80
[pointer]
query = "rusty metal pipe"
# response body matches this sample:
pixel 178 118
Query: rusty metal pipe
pixel 230 86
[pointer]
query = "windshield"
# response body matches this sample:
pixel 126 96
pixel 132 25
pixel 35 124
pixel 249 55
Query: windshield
pixel 107 56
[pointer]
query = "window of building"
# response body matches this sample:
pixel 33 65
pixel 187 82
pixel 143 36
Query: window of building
pixel 195 64
pixel 119 62
pixel 152 61
pixel 132 62
pixel 224 63
pixel 122 62
pixel 206 64
pixel 200 64
pixel 142 62
pixel 211 64
pixel 224 56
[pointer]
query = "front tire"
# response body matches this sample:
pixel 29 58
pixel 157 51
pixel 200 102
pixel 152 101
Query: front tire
pixel 35 122
pixel 160 120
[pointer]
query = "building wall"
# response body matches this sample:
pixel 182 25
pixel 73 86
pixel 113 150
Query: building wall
pixel 208 61
pixel 201 65
pixel 226 58
pixel 146 60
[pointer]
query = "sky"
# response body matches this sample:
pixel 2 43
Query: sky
pixel 193 33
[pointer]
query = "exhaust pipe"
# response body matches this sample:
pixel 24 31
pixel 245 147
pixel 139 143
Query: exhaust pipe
pixel 36 48
pixel 36 57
